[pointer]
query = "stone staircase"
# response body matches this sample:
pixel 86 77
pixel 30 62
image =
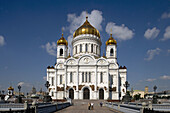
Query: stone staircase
pixel 85 102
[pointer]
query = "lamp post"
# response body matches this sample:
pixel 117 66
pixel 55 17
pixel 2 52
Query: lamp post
pixel 47 97
pixel 47 85
pixel 3 92
pixel 126 85
pixel 154 96
pixel 19 88
pixel 126 97
pixel 154 88
pixel 20 99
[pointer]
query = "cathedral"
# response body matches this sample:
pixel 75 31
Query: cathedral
pixel 86 74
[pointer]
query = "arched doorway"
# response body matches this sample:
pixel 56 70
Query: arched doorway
pixel 101 94
pixel 71 93
pixel 86 93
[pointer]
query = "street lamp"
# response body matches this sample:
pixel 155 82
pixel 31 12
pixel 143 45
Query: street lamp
pixel 126 85
pixel 47 97
pixel 19 88
pixel 3 92
pixel 47 85
pixel 20 99
pixel 154 88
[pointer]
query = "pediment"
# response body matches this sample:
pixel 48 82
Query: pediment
pixel 71 62
pixel 86 60
pixel 60 66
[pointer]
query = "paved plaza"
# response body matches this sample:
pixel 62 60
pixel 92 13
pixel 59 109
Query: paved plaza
pixel 81 107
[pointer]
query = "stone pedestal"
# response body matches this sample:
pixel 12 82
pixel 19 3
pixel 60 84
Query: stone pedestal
pixel 47 98
pixel 126 98
pixel 154 101
pixel 19 99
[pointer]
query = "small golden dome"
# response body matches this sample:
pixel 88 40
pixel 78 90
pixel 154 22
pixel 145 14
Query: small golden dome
pixel 10 88
pixel 62 41
pixel 86 28
pixel 111 41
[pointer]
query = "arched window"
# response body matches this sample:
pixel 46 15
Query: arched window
pixel 111 52
pixel 80 48
pixel 60 79
pixel 101 77
pixel 92 48
pixel 86 77
pixel 111 79
pixel 52 94
pixel 52 81
pixel 76 49
pixel 96 49
pixel 89 76
pixel 86 48
pixel 71 77
pixel 61 52
pixel 82 76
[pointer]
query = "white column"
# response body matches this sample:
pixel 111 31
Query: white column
pixel 56 84
pixel 77 90
pixel 108 79
pixel 96 81
pixel 65 81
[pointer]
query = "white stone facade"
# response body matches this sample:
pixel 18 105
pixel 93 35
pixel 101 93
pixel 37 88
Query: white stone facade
pixel 86 74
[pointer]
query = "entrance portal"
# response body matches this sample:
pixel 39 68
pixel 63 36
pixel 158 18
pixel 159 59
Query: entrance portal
pixel 71 93
pixel 86 93
pixel 101 94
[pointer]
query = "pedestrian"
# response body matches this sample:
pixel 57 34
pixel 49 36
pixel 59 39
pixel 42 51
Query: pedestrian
pixel 101 104
pixel 92 104
pixel 89 105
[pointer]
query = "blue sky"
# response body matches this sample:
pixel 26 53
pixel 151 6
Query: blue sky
pixel 30 29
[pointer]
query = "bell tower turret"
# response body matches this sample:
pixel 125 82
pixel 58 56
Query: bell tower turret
pixel 62 49
pixel 111 48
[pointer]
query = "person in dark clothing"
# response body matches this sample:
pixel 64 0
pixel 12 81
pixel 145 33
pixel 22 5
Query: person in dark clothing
pixel 89 105
pixel 101 104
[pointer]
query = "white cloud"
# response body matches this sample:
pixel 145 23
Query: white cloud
pixel 165 15
pixel 120 32
pixel 50 48
pixel 165 77
pixel 168 51
pixel 24 84
pixel 152 52
pixel 166 34
pixel 69 39
pixel 151 33
pixel 95 18
pixel 150 79
pixel 2 41
pixel 20 83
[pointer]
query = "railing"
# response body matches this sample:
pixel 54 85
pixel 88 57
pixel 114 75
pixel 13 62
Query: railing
pixel 38 108
pixel 161 106
pixel 11 105
pixel 141 107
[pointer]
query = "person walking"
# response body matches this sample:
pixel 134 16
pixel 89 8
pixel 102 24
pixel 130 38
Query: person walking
pixel 89 105
pixel 101 104
pixel 92 104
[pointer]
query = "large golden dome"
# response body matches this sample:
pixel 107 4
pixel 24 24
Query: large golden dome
pixel 86 28
pixel 62 41
pixel 111 41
